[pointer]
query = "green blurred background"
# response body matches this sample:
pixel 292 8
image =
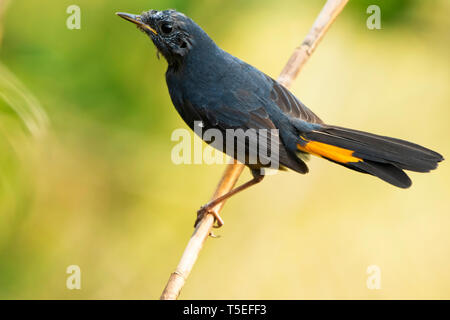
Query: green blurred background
pixel 86 176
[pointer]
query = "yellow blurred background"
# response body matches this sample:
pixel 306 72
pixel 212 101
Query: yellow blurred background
pixel 87 179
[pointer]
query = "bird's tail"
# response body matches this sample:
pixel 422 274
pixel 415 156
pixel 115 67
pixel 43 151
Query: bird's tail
pixel 379 156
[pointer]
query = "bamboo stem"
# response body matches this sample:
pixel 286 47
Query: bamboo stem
pixel 177 279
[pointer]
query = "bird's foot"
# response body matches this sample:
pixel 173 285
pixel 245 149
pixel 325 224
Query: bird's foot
pixel 205 210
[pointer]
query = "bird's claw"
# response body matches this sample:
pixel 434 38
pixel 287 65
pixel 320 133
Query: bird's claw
pixel 205 210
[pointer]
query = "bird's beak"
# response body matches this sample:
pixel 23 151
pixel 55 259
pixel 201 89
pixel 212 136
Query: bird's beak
pixel 136 20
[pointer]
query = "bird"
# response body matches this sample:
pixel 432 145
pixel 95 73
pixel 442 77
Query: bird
pixel 213 89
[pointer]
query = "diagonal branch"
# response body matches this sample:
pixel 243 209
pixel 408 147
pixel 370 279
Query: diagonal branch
pixel 177 279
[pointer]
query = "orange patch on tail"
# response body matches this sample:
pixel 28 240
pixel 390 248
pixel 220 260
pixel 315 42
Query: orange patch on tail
pixel 328 151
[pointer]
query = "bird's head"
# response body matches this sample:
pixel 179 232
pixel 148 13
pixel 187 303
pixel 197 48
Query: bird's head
pixel 173 33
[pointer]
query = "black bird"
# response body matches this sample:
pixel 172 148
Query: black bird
pixel 209 85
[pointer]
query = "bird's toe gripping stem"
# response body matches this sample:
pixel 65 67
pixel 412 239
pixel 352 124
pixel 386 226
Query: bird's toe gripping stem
pixel 205 210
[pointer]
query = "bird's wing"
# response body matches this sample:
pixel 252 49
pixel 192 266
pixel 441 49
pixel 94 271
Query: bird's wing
pixel 224 117
pixel 290 105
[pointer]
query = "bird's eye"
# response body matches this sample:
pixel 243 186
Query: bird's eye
pixel 166 28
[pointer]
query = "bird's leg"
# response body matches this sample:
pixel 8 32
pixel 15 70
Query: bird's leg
pixel 207 208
